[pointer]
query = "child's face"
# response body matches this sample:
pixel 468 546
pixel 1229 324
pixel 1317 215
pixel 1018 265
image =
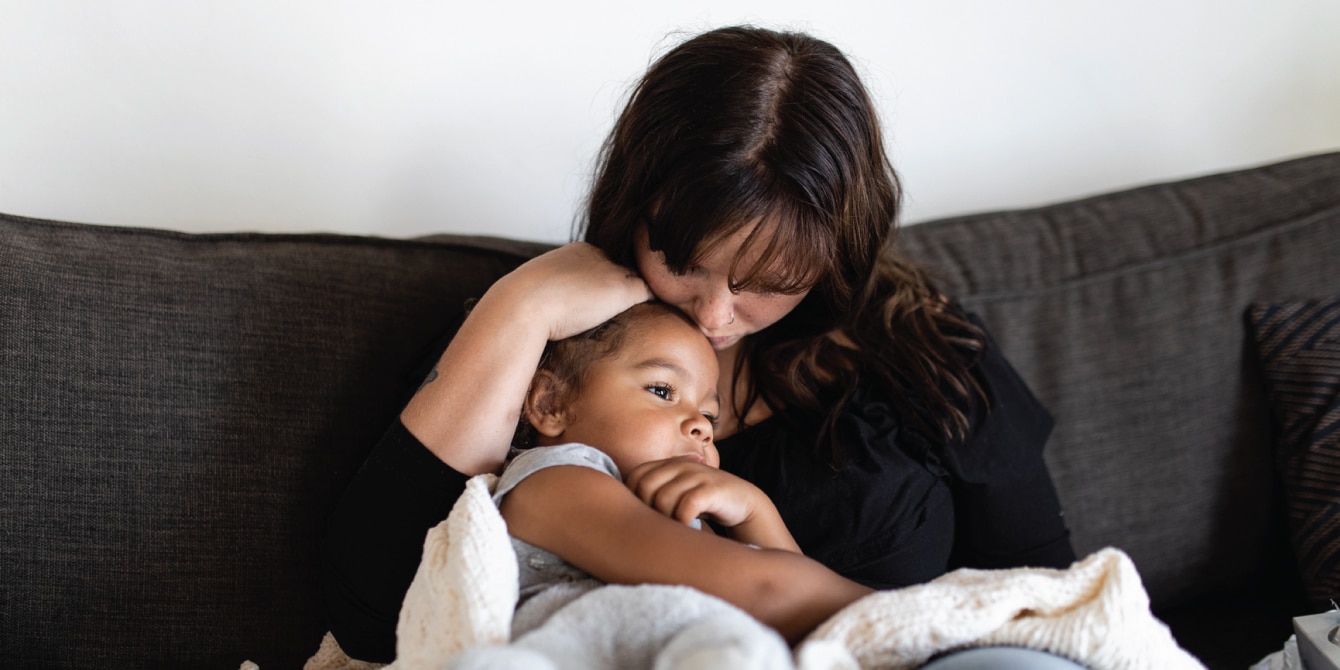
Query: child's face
pixel 654 398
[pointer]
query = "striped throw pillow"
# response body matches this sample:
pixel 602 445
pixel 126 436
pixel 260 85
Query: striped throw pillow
pixel 1298 344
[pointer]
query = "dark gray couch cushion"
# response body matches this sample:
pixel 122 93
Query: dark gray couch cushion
pixel 178 414
pixel 1125 314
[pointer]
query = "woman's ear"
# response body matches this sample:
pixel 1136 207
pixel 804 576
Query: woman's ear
pixel 545 410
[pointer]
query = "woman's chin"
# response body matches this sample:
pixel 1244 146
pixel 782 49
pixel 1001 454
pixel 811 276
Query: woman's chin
pixel 724 342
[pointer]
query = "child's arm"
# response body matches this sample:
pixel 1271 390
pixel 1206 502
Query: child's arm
pixel 685 489
pixel 594 522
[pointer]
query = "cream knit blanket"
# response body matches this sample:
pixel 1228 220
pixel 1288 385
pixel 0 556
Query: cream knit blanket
pixel 1096 612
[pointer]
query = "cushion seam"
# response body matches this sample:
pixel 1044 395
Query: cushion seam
pixel 1321 217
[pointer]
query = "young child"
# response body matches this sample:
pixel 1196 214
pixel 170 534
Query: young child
pixel 610 496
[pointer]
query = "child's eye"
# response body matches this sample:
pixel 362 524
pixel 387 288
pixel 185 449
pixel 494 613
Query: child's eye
pixel 662 391
pixel 711 418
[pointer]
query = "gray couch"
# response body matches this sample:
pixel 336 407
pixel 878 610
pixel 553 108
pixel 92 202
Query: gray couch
pixel 178 413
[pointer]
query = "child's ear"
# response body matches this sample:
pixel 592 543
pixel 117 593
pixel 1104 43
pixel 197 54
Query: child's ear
pixel 545 409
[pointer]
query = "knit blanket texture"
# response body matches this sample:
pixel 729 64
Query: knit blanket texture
pixel 1095 612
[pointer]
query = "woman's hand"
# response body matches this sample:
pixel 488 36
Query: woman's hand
pixel 685 489
pixel 467 411
pixel 573 288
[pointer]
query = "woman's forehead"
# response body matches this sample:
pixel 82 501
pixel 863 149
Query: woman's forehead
pixel 771 256
pixel 770 253
pixel 745 242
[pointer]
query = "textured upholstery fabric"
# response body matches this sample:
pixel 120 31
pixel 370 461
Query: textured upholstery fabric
pixel 1298 344
pixel 179 412
pixel 1124 312
pixel 178 415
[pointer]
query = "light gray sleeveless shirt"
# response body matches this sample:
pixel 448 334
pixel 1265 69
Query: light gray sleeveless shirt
pixel 537 568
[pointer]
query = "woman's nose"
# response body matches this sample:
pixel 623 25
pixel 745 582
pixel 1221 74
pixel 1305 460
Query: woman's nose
pixel 713 311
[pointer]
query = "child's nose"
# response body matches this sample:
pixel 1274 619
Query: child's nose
pixel 699 428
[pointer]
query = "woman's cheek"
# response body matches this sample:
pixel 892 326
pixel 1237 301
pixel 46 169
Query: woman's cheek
pixel 668 290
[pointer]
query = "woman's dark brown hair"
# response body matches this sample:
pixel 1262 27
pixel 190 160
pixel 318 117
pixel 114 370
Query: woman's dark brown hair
pixel 741 126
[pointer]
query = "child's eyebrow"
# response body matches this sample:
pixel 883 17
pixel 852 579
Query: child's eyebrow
pixel 652 363
pixel 667 364
pixel 661 363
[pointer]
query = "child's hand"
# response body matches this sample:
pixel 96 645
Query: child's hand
pixel 685 489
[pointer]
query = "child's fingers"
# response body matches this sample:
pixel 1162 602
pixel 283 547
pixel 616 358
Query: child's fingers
pixel 646 478
pixel 660 485
pixel 684 490
pixel 691 503
pixel 682 498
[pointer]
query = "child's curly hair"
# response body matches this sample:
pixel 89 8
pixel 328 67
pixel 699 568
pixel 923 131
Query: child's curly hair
pixel 569 359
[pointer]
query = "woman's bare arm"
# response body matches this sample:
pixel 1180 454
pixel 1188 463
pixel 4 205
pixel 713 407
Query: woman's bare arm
pixel 467 412
pixel 594 522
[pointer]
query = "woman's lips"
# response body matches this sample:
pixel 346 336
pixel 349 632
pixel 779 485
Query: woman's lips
pixel 719 342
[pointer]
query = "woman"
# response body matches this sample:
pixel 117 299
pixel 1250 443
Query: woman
pixel 745 183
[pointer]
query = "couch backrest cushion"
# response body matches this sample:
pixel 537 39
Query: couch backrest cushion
pixel 179 412
pixel 1125 313
pixel 177 415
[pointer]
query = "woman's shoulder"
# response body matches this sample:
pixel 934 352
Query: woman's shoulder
pixel 1003 415
pixel 1007 421
pixel 986 363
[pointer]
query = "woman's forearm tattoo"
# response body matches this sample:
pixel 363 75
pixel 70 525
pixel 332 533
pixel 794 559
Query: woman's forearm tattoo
pixel 429 379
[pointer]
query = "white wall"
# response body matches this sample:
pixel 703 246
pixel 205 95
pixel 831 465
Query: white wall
pixel 405 117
